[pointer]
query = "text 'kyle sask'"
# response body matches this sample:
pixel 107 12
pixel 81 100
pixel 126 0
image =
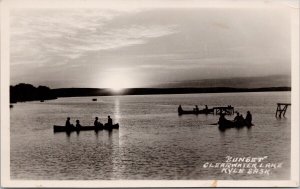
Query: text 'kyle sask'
pixel 244 165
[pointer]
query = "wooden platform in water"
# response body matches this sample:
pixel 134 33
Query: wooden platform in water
pixel 227 110
pixel 281 109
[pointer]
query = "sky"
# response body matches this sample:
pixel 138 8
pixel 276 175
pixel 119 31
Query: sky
pixel 144 46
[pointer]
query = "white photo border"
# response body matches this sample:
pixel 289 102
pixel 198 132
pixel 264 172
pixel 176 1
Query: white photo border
pixel 6 181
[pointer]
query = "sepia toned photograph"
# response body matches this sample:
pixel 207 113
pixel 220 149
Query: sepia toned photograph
pixel 150 93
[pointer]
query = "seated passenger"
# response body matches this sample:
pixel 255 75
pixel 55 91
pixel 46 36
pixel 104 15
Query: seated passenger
pixel 180 109
pixel 248 118
pixel 241 118
pixel 78 124
pixel 222 118
pixel 237 117
pixel 68 124
pixel 96 122
pixel 109 121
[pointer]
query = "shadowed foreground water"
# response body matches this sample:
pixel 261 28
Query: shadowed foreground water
pixel 153 142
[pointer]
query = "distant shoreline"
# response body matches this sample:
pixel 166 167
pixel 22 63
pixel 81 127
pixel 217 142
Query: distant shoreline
pixel 81 92
pixel 26 92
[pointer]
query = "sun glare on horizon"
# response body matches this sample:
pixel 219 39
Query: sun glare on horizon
pixel 116 89
pixel 117 82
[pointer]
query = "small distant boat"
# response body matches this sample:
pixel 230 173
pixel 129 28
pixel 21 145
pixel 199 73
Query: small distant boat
pixel 94 99
pixel 11 106
pixel 204 111
pixel 58 128
pixel 41 100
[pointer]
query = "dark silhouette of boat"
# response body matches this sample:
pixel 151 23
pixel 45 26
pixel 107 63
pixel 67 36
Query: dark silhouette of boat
pixel 94 99
pixel 196 112
pixel 226 124
pixel 58 128
pixel 11 106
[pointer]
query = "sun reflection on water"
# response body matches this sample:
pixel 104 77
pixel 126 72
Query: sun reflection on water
pixel 117 109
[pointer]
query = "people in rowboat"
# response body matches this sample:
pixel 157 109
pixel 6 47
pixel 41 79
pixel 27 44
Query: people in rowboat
pixel 96 122
pixel 78 124
pixel 68 124
pixel 248 118
pixel 241 119
pixel 222 118
pixel 237 117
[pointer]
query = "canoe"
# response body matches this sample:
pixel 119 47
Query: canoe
pixel 114 126
pixel 226 124
pixel 204 111
pixel 58 128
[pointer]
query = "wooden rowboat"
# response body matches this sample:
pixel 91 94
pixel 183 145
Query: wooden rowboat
pixel 226 124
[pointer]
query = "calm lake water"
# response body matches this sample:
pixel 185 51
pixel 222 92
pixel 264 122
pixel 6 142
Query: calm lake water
pixel 153 142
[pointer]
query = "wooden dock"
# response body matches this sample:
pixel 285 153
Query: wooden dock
pixel 281 109
pixel 227 110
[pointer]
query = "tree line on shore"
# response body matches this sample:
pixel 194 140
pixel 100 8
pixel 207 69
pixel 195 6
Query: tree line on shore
pixel 26 92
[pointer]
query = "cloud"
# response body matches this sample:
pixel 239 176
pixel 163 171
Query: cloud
pixel 146 45
pixel 40 36
pixel 122 37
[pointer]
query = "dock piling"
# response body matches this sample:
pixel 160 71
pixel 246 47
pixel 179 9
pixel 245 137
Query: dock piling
pixel 281 109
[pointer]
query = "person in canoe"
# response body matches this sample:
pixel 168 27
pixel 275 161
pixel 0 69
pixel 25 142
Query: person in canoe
pixel 68 124
pixel 78 124
pixel 180 109
pixel 206 109
pixel 96 122
pixel 109 121
pixel 196 109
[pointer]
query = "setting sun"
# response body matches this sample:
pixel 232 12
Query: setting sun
pixel 116 89
pixel 117 82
